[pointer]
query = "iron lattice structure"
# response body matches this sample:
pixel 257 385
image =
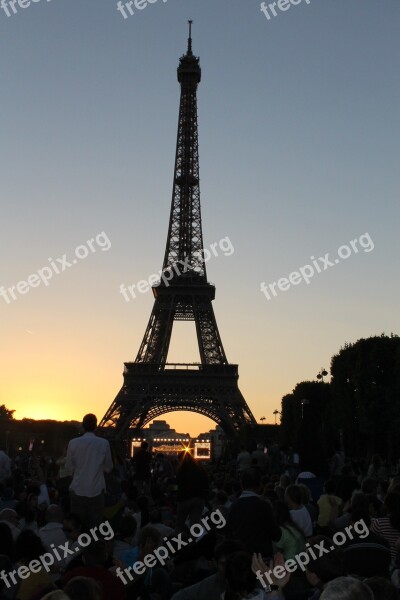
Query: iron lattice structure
pixel 153 387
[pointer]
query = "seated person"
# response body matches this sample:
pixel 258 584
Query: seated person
pixel 125 551
pixel 94 559
pixel 298 511
pixel 329 507
pixel 213 586
pixel 364 552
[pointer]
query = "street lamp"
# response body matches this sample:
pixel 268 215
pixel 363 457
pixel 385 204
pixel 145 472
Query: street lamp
pixel 323 373
pixel 304 403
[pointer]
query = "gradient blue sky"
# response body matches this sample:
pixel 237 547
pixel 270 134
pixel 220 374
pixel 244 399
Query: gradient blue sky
pixel 299 154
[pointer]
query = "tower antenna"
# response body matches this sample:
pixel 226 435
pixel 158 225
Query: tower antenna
pixel 190 38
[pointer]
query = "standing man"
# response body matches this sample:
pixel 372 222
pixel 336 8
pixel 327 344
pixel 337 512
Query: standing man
pixel 88 458
pixel 141 461
pixel 5 464
pixel 243 460
pixel 337 462
pixel 251 520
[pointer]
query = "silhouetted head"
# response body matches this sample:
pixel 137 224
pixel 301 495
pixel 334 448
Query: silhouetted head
pixel 89 422
pixel 239 578
pixel 28 546
pixel 251 480
pixel 54 514
pixel 128 526
pixel 83 588
pixel 376 461
pixel 223 551
pixel 293 496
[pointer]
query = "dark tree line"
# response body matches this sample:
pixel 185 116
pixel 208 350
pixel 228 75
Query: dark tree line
pixel 366 388
pixel 5 414
pixel 360 407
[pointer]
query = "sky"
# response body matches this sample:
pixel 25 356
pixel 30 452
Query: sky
pixel 299 157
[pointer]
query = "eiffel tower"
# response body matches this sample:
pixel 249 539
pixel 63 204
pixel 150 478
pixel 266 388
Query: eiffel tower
pixel 153 387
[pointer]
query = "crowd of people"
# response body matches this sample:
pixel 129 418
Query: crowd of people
pixel 91 526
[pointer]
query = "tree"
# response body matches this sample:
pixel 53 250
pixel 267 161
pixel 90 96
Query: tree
pixel 366 394
pixel 5 413
pixel 290 420
pixel 304 426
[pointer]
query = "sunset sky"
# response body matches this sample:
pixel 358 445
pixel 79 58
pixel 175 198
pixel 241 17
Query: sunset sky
pixel 299 155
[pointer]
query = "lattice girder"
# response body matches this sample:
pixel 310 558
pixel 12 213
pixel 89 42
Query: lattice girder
pixel 212 392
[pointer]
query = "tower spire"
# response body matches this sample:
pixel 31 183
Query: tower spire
pixel 189 51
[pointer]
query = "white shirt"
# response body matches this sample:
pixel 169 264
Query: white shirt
pixel 5 465
pixel 44 495
pixel 52 533
pixel 243 460
pixel 88 458
pixel 302 518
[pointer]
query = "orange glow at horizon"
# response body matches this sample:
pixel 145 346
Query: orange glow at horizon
pixel 61 365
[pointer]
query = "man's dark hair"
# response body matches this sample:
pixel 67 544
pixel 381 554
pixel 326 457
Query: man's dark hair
pixel 294 493
pixel 89 422
pixel 127 526
pixel 28 546
pixel 239 577
pixel 251 479
pixel 283 517
pixel 155 515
